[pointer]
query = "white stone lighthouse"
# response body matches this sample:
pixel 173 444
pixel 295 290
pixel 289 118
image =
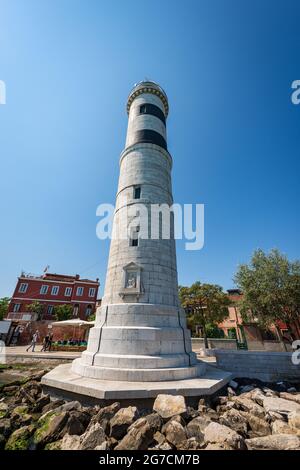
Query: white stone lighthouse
pixel 140 332
pixel 140 345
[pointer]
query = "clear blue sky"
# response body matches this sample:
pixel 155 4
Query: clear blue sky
pixel 227 67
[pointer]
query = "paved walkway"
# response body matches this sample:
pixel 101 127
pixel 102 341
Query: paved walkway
pixel 21 351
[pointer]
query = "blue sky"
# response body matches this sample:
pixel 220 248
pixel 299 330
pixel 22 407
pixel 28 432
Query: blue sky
pixel 227 67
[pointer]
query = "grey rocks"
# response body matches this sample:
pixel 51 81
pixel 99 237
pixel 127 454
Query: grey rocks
pixel 251 418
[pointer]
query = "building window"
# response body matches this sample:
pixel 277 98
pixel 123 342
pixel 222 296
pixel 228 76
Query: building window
pixel 23 287
pixel 50 309
pixel 134 238
pixel 88 310
pixel 137 192
pixel 44 290
pixel 68 291
pixel 92 292
pixel 76 310
pixel 79 291
pixel 143 109
pixel 54 290
pixel 17 307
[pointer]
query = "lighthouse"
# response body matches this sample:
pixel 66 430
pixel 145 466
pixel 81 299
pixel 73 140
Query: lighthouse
pixel 140 332
pixel 140 344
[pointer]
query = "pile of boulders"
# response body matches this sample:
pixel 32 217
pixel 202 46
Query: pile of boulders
pixel 248 415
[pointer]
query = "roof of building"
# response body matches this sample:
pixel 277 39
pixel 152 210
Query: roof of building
pixel 58 277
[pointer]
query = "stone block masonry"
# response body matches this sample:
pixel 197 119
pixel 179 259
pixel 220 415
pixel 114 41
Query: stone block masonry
pixel 263 365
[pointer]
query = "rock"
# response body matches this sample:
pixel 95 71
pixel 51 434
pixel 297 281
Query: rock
pixel 291 390
pixel 56 445
pixel 5 427
pixel 140 434
pixel 121 421
pixel 103 446
pixel 104 415
pixel 19 410
pixel 246 388
pixel 19 439
pixel 280 405
pixel 164 446
pixel 221 400
pixel 280 427
pixel 290 396
pixel 168 406
pixel 217 447
pixel 37 376
pixel 282 386
pixel 270 393
pixel 257 395
pixel 274 442
pixel 211 414
pixel 190 444
pixel 230 392
pixel 235 420
pixel 179 420
pixel 77 423
pixel 196 428
pixel 92 438
pixel 273 416
pixel 20 416
pixel 10 389
pixel 246 404
pixel 294 420
pixel 2 442
pixel 190 413
pixel 3 410
pixel 216 433
pixel 41 403
pixel 33 388
pixel 69 406
pixel 222 408
pixel 70 442
pixel 159 437
pixel 233 384
pixel 175 433
pixel 52 405
pixel 259 426
pixel 50 427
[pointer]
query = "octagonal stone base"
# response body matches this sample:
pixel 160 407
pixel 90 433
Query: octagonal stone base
pixel 63 382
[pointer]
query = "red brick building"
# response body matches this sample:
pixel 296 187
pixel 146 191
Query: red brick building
pixel 51 290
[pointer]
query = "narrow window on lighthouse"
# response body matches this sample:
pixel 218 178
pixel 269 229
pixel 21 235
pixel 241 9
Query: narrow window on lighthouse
pixel 137 192
pixel 134 238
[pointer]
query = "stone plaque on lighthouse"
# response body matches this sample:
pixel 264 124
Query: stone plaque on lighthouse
pixel 140 332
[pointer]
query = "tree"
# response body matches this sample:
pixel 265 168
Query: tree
pixel 205 304
pixel 213 331
pixel 36 307
pixel 4 303
pixel 271 289
pixel 63 312
pixel 92 317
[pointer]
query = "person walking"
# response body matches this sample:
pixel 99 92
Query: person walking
pixel 33 341
pixel 50 341
pixel 45 343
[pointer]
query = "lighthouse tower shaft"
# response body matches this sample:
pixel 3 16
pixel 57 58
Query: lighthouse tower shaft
pixel 140 332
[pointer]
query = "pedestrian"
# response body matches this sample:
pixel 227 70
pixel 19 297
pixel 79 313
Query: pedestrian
pixel 33 341
pixel 50 341
pixel 45 343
